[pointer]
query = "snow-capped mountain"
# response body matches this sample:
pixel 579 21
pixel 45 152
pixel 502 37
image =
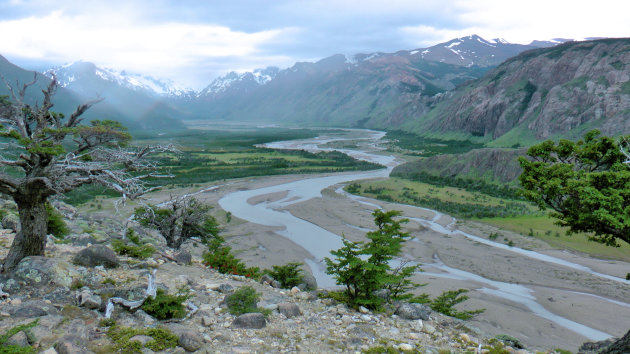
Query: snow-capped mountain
pixel 68 74
pixel 240 82
pixel 472 51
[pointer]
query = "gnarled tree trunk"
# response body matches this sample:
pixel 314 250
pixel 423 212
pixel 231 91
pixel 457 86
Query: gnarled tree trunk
pixel 31 239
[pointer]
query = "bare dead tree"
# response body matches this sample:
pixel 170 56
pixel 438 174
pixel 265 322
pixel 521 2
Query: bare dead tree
pixel 180 219
pixel 45 154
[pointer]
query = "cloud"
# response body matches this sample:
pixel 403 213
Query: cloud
pixel 163 49
pixel 196 40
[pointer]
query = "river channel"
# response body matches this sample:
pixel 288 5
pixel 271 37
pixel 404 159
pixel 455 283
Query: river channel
pixel 319 241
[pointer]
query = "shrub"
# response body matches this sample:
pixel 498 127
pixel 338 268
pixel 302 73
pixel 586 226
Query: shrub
pixel 56 225
pixel 165 306
pixel 135 249
pixel 243 300
pixel 289 275
pixel 222 259
pixel 447 300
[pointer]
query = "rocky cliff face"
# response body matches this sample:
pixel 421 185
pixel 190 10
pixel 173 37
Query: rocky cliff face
pixel 542 93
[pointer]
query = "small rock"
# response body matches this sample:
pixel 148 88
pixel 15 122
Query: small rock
pixel 363 310
pixel 266 279
pixel 464 337
pixel 295 290
pixel 16 302
pixel 405 347
pixel 413 336
pixel 207 321
pixel 428 329
pixel 225 288
pixel 276 284
pixel 254 320
pixel 89 300
pixel 289 309
pixel 190 341
pixel 66 347
pixel 50 350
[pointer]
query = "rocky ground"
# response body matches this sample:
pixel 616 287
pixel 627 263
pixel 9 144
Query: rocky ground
pixel 67 291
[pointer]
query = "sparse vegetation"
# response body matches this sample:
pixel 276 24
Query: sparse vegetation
pixel 135 248
pixel 221 258
pixel 162 339
pixel 16 349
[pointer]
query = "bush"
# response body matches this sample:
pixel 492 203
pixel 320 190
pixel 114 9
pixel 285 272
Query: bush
pixel 165 306
pixel 289 275
pixel 221 258
pixel 56 225
pixel 243 300
pixel 135 249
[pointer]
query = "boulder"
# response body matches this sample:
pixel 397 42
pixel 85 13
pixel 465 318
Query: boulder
pixel 39 271
pixel 289 309
pixel 309 280
pixel 225 288
pixel 409 311
pixel 20 339
pixel 253 320
pixel 190 340
pixel 608 346
pixel 183 257
pixel 89 300
pixel 97 255
pixel 11 222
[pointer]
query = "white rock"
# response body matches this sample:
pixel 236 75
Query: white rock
pixel 363 310
pixel 295 290
pixel 427 328
pixel 405 347
pixel 366 318
pixel 50 350
pixel 413 336
pixel 464 337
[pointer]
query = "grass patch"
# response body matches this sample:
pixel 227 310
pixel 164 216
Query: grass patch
pixel 162 339
pixel 544 228
pixel 455 201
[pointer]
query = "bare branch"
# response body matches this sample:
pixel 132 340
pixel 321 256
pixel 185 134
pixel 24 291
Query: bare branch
pixel 623 147
pixel 75 117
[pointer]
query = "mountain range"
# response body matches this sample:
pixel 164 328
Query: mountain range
pixel 468 88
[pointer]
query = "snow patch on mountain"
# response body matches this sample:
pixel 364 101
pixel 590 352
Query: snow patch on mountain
pixel 68 73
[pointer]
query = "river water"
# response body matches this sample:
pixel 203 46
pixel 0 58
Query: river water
pixel 319 242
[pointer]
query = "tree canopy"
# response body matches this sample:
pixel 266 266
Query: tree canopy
pixel 585 183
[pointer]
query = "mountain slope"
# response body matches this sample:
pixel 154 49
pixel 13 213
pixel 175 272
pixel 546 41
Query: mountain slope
pixel 373 91
pixel 132 98
pixel 539 94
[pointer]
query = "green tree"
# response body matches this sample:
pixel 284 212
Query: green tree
pixel 585 183
pixel 46 154
pixel 364 267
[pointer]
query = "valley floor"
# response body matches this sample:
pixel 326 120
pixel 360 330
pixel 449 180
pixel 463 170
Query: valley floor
pixel 563 297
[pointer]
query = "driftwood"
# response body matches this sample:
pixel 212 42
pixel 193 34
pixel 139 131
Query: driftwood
pixel 132 305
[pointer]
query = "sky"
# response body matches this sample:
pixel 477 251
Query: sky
pixel 194 41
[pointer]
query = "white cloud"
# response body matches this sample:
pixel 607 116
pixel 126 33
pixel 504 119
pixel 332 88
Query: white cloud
pixel 162 49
